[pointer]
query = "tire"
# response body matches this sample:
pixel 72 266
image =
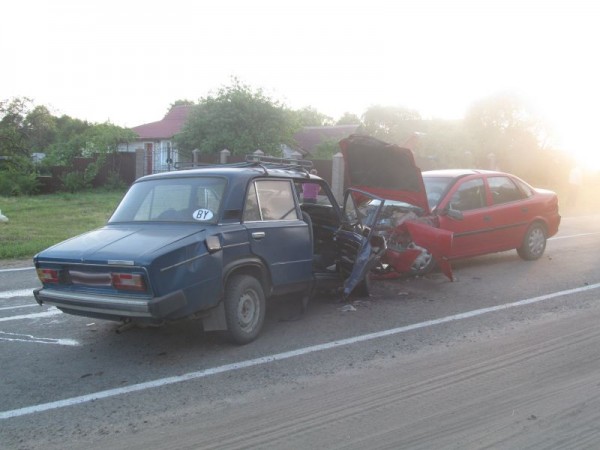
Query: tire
pixel 244 308
pixel 534 242
pixel 423 264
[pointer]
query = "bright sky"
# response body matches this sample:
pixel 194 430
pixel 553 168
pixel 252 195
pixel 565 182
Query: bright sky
pixel 127 61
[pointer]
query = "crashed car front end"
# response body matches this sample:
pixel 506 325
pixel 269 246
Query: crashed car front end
pixel 413 241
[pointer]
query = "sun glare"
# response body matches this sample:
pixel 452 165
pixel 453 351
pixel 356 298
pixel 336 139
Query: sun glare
pixel 582 146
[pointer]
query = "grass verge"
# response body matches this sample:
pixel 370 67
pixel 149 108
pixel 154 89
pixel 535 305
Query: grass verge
pixel 37 222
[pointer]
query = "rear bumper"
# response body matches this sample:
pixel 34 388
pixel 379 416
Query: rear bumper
pixel 117 307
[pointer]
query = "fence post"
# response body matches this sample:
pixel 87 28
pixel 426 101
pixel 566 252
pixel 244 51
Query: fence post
pixel 224 156
pixel 195 157
pixel 140 159
pixel 337 176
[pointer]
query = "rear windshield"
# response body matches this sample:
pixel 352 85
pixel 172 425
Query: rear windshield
pixel 196 199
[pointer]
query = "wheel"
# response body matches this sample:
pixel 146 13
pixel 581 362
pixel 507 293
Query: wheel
pixel 244 308
pixel 534 243
pixel 423 264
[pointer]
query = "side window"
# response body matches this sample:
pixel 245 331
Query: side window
pixel 504 190
pixel 270 200
pixel 527 191
pixel 470 195
pixel 251 210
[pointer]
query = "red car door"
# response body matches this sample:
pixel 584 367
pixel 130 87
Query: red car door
pixel 473 231
pixel 509 213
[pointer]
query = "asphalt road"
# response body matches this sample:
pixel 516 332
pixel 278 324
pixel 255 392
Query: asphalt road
pixel 504 357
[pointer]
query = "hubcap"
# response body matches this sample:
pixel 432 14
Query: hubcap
pixel 248 310
pixel 536 241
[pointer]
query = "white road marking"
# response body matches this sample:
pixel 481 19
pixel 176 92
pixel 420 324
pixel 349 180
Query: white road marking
pixel 574 236
pixel 17 269
pixel 17 293
pixel 49 313
pixel 6 308
pixel 39 340
pixel 279 356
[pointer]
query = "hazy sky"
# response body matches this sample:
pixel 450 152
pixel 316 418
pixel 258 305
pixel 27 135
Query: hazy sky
pixel 128 61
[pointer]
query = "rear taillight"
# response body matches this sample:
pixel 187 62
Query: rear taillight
pixel 128 281
pixel 48 275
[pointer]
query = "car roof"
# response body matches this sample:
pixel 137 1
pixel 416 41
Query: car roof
pixel 457 173
pixel 237 171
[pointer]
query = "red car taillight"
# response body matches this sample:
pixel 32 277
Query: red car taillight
pixel 128 281
pixel 48 275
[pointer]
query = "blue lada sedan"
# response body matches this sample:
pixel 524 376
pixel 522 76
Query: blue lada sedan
pixel 211 243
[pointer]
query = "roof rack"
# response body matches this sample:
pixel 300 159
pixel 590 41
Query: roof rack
pixel 288 162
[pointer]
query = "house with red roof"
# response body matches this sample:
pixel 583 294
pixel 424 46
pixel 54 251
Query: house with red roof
pixel 156 141
pixel 157 151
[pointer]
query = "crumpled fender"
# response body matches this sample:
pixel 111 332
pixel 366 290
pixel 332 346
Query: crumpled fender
pixel 367 257
pixel 436 240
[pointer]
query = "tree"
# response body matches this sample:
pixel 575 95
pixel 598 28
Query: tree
pixel 69 141
pixel 326 149
pixel 39 128
pixel 505 134
pixel 390 122
pixel 310 117
pixel 17 175
pixel 181 102
pixel 240 119
pixel 349 119
pixel 13 137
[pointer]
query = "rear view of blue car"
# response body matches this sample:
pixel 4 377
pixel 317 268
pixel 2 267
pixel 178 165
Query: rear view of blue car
pixel 211 243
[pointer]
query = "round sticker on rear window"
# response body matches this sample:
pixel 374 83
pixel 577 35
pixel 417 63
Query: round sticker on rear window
pixel 203 214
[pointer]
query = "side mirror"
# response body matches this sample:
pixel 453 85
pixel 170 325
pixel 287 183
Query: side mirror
pixel 452 213
pixel 213 244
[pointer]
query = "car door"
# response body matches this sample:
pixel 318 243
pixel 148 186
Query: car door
pixel 509 213
pixel 473 227
pixel 359 245
pixel 277 234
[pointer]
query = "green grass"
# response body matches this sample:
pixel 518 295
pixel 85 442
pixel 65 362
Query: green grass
pixel 37 222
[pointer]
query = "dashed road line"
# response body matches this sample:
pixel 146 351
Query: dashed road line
pixel 17 269
pixel 6 308
pixel 14 337
pixel 51 312
pixel 17 293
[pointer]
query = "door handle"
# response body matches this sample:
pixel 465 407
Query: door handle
pixel 258 234
pixel 487 218
pixel 524 209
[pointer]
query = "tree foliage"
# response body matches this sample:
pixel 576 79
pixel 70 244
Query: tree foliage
pixel 311 117
pixel 239 119
pixel 389 122
pixel 326 149
pixel 13 131
pixel 181 102
pixel 349 119
pixel 70 140
pixel 26 129
pixel 505 133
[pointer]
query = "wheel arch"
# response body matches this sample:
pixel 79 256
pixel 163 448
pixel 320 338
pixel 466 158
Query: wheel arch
pixel 251 266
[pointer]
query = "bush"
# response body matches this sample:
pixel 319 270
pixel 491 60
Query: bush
pixel 75 182
pixel 113 182
pixel 15 182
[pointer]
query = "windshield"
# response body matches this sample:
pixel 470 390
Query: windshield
pixel 435 188
pixel 193 199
